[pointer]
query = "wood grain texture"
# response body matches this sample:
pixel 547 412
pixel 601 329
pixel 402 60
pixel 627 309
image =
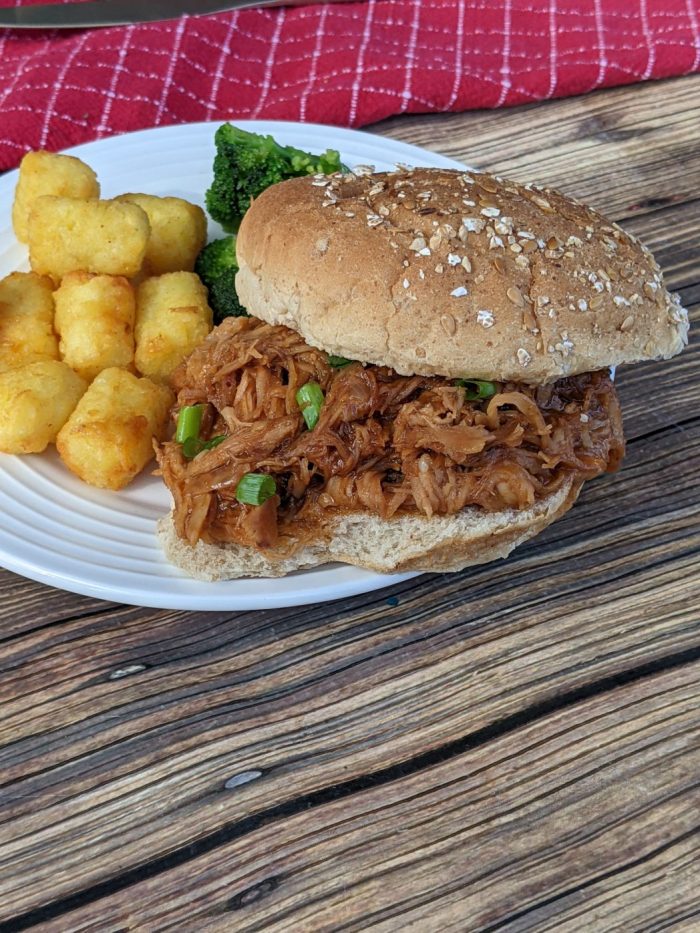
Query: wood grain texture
pixel 513 747
pixel 604 793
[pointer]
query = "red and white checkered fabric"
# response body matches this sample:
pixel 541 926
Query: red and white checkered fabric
pixel 347 64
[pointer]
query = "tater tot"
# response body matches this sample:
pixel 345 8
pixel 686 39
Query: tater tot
pixel 36 401
pixel 42 173
pixel 26 320
pixel 172 318
pixel 178 232
pixel 107 440
pixel 95 317
pixel 69 235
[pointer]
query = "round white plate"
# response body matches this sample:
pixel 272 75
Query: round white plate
pixel 59 531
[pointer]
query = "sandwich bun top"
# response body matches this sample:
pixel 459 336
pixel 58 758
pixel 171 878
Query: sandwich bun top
pixel 454 273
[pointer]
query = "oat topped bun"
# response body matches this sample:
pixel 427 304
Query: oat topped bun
pixel 458 274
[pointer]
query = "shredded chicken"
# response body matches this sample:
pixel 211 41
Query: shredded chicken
pixel 384 443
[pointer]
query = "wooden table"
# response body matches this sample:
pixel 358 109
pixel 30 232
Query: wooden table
pixel 511 748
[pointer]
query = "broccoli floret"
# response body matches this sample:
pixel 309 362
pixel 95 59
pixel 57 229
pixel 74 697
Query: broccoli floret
pixel 216 266
pixel 247 163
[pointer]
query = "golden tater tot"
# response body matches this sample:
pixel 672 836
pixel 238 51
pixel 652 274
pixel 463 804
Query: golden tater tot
pixel 26 320
pixel 178 232
pixel 36 401
pixel 95 317
pixel 42 173
pixel 69 235
pixel 107 440
pixel 172 318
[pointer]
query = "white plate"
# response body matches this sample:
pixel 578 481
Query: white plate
pixel 59 531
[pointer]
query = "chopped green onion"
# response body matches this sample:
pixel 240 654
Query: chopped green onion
pixel 337 361
pixel 476 388
pixel 192 446
pixel 189 421
pixel 310 400
pixel 255 488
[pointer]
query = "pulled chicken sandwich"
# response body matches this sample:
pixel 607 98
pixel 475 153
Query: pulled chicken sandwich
pixel 425 380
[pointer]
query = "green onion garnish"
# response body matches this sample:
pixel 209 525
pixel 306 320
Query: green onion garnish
pixel 189 421
pixel 192 446
pixel 310 399
pixel 337 361
pixel 255 488
pixel 476 388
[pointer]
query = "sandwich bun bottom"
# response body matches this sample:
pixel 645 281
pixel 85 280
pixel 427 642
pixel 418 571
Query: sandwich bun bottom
pixel 403 543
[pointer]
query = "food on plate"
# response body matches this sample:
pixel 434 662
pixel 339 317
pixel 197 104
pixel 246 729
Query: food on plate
pixel 94 319
pixel 104 237
pixel 42 173
pixel 247 163
pixel 217 267
pixel 36 400
pixel 172 317
pixel 178 232
pixel 108 438
pixel 79 305
pixel 425 383
pixel 26 320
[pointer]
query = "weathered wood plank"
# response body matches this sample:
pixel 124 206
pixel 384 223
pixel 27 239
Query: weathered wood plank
pixel 27 605
pixel 558 824
pixel 673 236
pixel 625 151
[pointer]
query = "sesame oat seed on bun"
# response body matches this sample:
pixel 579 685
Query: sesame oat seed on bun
pixel 440 272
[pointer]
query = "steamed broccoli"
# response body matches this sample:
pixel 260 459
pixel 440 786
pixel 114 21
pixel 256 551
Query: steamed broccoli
pixel 247 163
pixel 216 266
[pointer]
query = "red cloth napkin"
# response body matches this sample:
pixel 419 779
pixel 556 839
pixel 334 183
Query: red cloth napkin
pixel 348 64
